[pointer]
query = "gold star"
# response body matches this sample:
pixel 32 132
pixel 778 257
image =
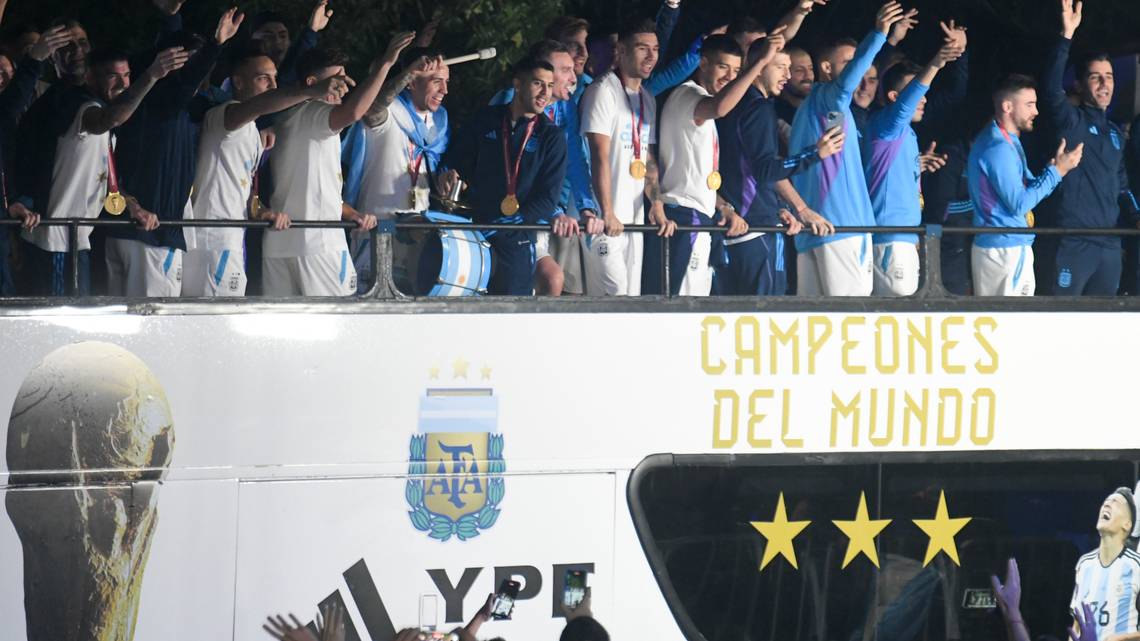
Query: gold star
pixel 779 532
pixel 941 530
pixel 459 368
pixel 861 533
pixel 486 371
pixel 433 373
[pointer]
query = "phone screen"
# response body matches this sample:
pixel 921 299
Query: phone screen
pixel 575 589
pixel 504 601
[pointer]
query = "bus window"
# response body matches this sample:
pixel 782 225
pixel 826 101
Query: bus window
pixel 702 524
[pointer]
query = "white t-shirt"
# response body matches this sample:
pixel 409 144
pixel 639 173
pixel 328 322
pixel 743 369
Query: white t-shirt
pixel 78 184
pixel 1112 591
pixel 687 151
pixel 608 108
pixel 307 181
pixel 387 181
pixel 223 181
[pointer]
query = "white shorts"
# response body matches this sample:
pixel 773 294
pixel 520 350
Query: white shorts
pixel 1003 271
pixel 618 260
pixel 839 268
pixel 137 269
pixel 541 245
pixel 328 274
pixel 896 269
pixel 213 272
pixel 698 277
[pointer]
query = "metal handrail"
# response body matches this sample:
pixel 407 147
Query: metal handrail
pixel 381 255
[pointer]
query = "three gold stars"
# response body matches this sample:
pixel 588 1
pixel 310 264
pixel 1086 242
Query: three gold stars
pixel 941 530
pixel 780 532
pixel 460 368
pixel 861 534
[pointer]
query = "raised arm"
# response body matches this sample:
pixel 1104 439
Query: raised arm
pixel 838 93
pixel 103 119
pixel 894 120
pixel 667 21
pixel 718 106
pixel 794 19
pixel 21 90
pixel 359 100
pixel 378 112
pixel 1060 112
pixel 675 71
pixel 240 114
pixel 945 98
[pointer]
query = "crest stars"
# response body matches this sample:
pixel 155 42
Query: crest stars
pixel 459 368
pixel 486 373
pixel 779 532
pixel 941 530
pixel 861 533
pixel 433 373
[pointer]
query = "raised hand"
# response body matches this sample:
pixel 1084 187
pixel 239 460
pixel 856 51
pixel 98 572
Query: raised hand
pixel 949 52
pixel 805 6
pixel 167 61
pixel 321 16
pixel 930 161
pixel 1067 161
pixel 954 34
pixel 228 25
pixel 330 622
pixel 773 43
pixel 50 41
pixel 396 46
pixel 280 629
pixel 888 15
pixel 331 89
pixel 831 142
pixel 1085 627
pixel 1070 17
pixel 903 27
pixel 1008 594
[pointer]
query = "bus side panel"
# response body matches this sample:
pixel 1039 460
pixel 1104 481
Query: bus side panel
pixel 302 542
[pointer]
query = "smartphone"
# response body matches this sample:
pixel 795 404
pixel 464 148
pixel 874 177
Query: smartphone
pixel 834 119
pixel 575 589
pixel 429 612
pixel 504 602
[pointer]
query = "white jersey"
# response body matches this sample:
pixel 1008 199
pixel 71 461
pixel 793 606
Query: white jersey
pixel 608 108
pixel 386 186
pixel 307 181
pixel 227 161
pixel 78 184
pixel 1111 591
pixel 687 151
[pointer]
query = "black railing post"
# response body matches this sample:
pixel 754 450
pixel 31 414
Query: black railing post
pixel 73 252
pixel 932 286
pixel 381 259
pixel 666 273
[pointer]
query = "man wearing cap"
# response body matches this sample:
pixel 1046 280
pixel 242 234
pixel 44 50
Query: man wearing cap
pixel 1108 578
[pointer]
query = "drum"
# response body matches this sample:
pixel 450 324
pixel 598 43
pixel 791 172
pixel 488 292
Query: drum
pixel 440 262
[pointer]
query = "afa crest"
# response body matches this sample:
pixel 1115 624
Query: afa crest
pixel 455 464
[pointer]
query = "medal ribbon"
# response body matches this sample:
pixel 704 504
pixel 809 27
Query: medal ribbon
pixel 112 174
pixel 414 165
pixel 716 154
pixel 513 178
pixel 1020 151
pixel 636 119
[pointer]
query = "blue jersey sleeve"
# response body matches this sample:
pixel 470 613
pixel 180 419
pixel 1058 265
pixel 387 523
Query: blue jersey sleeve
pixel 1005 171
pixel 542 199
pixel 578 165
pixel 838 94
pixel 892 122
pixel 677 71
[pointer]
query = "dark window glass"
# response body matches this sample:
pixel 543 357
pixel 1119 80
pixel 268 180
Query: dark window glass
pixel 695 519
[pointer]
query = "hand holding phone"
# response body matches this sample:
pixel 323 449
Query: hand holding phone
pixel 575 589
pixel 504 601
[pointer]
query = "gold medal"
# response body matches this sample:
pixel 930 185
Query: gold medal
pixel 1030 219
pixel 255 208
pixel 115 204
pixel 510 205
pixel 713 181
pixel 921 202
pixel 637 169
